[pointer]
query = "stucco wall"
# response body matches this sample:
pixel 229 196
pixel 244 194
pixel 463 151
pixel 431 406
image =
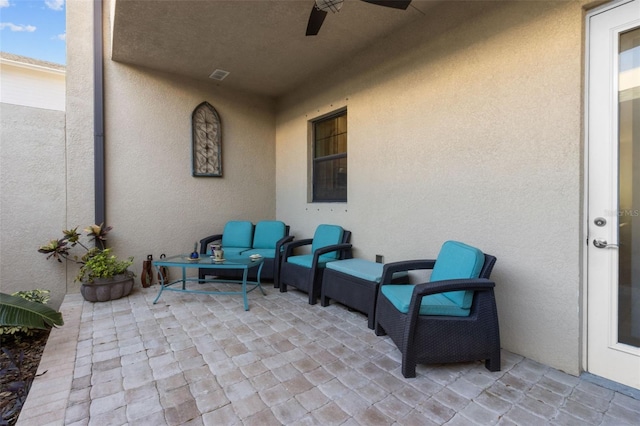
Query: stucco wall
pixel 32 200
pixel 465 126
pixel 79 195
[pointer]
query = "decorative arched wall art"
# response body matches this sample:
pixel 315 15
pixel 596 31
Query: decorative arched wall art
pixel 207 141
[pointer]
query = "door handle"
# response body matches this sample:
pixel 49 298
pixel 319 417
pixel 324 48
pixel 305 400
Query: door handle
pixel 600 243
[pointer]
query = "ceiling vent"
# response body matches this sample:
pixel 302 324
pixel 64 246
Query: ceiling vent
pixel 219 74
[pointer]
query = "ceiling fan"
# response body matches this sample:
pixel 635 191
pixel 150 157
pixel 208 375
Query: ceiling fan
pixel 322 7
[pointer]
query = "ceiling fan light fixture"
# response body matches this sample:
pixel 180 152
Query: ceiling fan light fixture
pixel 329 5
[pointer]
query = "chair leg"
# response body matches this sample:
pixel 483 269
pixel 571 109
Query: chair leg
pixel 379 330
pixel 493 363
pixel 408 365
pixel 324 301
pixel 283 288
pixel 370 320
pixel 312 298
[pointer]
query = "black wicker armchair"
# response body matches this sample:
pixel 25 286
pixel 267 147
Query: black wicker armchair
pixel 432 330
pixel 304 272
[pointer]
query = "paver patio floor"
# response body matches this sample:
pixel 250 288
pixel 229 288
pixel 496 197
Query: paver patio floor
pixel 204 360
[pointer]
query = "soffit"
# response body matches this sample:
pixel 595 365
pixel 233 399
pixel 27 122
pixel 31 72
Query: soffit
pixel 262 43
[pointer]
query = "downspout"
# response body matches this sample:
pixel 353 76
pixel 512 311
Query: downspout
pixel 98 116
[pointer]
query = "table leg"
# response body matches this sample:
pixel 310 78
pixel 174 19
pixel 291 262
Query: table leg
pixel 244 288
pixel 264 293
pixel 161 285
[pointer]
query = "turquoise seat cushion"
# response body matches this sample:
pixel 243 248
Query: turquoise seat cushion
pixel 230 252
pixel 433 304
pixel 267 253
pixel 237 234
pixel 363 269
pixel 268 233
pixel 360 268
pixel 306 260
pixel 457 260
pixel 327 235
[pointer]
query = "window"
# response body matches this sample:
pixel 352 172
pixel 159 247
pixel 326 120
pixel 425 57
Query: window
pixel 329 140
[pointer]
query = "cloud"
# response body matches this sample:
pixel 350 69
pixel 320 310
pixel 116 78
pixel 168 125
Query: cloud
pixel 4 3
pixel 53 4
pixel 62 37
pixel 13 27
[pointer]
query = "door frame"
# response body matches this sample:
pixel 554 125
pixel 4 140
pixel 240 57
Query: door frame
pixel 584 362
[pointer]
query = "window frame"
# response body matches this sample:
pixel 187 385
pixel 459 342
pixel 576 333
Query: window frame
pixel 315 161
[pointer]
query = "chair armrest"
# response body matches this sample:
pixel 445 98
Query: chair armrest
pixel 403 266
pixel 288 247
pixel 473 284
pixel 328 249
pixel 425 289
pixel 208 240
pixel 281 242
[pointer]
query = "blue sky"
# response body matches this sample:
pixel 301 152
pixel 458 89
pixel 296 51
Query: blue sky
pixel 34 28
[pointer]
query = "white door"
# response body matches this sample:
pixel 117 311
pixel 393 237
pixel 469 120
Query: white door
pixel 613 173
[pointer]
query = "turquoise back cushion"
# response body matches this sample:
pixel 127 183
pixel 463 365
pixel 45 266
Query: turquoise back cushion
pixel 237 234
pixel 327 235
pixel 457 260
pixel 268 233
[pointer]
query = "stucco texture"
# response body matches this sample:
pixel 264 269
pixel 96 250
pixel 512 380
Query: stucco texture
pixel 153 202
pixel 465 126
pixel 32 198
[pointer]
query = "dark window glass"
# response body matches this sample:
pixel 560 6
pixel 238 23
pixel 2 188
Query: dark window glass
pixel 330 158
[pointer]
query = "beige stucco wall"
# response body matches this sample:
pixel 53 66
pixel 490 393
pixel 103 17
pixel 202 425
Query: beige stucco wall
pixel 32 199
pixel 465 126
pixel 153 202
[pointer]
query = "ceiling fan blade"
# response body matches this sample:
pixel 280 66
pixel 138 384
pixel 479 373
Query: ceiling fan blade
pixel 315 21
pixel 396 4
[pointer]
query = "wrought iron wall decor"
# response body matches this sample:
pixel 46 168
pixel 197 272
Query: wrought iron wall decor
pixel 207 141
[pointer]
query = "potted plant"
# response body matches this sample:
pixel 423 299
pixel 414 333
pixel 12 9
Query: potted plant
pixel 103 276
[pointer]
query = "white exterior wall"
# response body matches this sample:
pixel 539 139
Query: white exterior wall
pixel 31 85
pixel 466 126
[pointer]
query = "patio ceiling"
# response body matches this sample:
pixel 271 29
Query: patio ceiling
pixel 262 43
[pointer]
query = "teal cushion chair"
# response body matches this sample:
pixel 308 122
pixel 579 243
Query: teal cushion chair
pixel 304 271
pixel 451 318
pixel 242 238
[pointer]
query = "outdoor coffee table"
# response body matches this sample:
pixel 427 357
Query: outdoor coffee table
pixel 243 263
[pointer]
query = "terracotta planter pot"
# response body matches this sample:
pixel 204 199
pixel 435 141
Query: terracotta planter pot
pixel 105 289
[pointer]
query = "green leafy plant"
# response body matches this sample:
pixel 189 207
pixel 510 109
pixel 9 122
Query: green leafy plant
pixel 103 264
pixel 97 261
pixel 26 310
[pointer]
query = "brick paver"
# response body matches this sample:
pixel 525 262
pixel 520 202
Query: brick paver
pixel 204 360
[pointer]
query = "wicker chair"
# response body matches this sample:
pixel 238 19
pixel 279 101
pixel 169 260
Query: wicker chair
pixel 305 271
pixel 427 326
